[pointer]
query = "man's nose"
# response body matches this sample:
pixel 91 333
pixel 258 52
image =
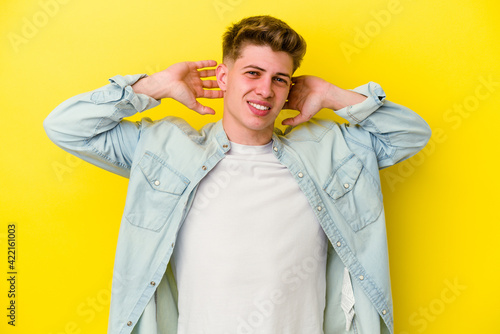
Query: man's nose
pixel 264 88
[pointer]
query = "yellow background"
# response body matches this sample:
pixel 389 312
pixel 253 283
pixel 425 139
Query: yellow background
pixel 431 56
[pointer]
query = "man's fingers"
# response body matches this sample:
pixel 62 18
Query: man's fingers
pixel 205 63
pixel 208 111
pixel 300 118
pixel 210 84
pixel 213 94
pixel 203 110
pixel 289 121
pixel 206 73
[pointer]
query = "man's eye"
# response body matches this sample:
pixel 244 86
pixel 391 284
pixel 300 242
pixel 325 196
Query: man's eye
pixel 280 80
pixel 252 72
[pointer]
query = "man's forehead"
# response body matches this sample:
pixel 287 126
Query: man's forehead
pixel 263 58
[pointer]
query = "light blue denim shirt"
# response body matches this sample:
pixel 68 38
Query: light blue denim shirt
pixel 335 165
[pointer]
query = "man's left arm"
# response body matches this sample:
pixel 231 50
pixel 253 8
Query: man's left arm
pixel 397 133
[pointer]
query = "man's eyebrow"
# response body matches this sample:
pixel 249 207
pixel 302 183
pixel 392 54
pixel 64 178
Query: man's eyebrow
pixel 263 70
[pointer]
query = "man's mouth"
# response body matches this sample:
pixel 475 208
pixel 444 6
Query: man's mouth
pixel 259 109
pixel 259 106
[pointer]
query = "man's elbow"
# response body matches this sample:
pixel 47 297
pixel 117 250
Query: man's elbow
pixel 50 127
pixel 424 134
pixel 56 129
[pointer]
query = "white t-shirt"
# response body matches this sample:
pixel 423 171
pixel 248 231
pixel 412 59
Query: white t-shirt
pixel 250 256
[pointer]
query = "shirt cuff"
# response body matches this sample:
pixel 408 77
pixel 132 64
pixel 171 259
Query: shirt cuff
pixel 358 112
pixel 139 102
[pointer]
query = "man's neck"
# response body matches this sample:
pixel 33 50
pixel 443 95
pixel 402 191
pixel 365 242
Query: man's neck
pixel 245 136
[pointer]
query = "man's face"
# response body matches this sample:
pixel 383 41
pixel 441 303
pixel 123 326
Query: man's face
pixel 255 86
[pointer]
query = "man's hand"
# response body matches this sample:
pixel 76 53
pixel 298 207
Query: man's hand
pixel 306 95
pixel 310 94
pixel 183 83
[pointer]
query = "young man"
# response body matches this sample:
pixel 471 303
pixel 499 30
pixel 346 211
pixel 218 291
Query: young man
pixel 239 228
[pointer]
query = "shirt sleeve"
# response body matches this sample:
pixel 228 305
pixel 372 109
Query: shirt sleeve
pixel 392 131
pixel 91 126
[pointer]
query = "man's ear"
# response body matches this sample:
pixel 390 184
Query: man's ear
pixel 221 73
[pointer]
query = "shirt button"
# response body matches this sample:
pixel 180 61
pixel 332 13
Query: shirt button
pixel 129 323
pixel 319 208
pixel 361 277
pixel 204 167
pixel 157 183
pixel 172 245
pixel 152 283
pixel 301 175
pixel 338 244
pixel 384 312
pixel 275 149
pixel 225 146
pixel 346 185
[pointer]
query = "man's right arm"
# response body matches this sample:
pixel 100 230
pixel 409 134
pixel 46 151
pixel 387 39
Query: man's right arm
pixel 91 125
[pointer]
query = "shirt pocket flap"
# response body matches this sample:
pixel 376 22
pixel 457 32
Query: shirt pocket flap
pixel 355 193
pixel 344 179
pixel 162 177
pixel 105 96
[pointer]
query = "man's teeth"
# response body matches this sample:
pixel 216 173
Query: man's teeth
pixel 258 106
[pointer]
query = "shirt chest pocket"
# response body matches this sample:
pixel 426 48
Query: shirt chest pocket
pixel 355 193
pixel 154 191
